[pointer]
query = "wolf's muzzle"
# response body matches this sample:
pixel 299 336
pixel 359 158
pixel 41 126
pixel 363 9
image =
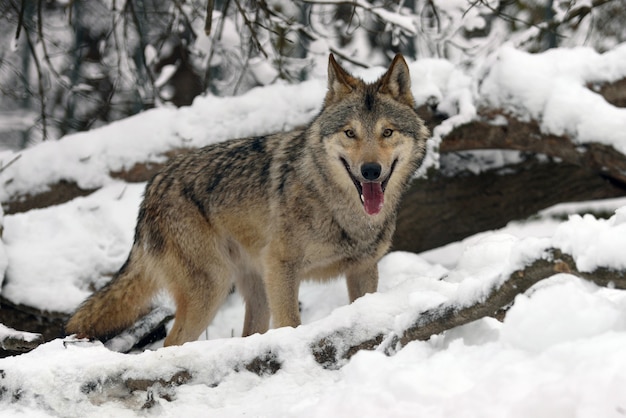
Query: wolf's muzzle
pixel 371 171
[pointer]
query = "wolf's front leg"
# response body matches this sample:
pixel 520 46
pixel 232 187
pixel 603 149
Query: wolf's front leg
pixel 282 285
pixel 362 279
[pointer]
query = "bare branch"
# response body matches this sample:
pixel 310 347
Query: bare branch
pixel 251 28
pixel 347 58
pixel 208 21
pixel 582 11
pixel 7 165
pixel 41 89
pixel 44 47
pixel 387 16
pixel 188 23
pixel 20 21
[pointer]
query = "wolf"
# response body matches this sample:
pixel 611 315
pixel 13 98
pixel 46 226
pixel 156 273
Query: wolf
pixel 267 212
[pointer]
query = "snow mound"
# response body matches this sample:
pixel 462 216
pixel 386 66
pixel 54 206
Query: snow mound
pixel 58 255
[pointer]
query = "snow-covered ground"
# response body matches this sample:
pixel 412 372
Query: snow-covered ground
pixel 558 353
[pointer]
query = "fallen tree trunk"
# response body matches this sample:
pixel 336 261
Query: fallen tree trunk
pixel 444 317
pixel 527 137
pixel 442 208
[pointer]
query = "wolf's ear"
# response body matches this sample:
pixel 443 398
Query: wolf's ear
pixel 397 82
pixel 340 83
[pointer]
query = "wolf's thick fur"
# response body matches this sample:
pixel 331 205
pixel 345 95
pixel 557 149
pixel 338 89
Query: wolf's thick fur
pixel 266 212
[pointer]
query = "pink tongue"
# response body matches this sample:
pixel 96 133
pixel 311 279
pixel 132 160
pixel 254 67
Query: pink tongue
pixel 373 197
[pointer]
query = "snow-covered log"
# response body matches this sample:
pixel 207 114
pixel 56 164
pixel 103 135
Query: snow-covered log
pixel 333 350
pixel 18 341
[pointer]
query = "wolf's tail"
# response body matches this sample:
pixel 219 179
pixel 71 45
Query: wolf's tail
pixel 116 306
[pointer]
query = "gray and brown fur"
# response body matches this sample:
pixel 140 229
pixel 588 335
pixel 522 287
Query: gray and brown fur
pixel 265 213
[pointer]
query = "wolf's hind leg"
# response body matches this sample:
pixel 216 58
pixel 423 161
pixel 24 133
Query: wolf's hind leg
pixel 362 280
pixel 257 318
pixel 196 305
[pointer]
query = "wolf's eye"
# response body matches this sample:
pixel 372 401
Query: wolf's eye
pixel 349 133
pixel 387 132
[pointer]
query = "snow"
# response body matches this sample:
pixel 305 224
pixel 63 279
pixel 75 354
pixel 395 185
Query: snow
pixel 594 243
pixel 551 88
pixel 56 246
pixel 559 351
pixel 6 332
pixel 13 121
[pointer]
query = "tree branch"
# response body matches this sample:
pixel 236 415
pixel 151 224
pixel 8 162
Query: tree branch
pixel 527 136
pixel 42 96
pixel 208 21
pixel 18 341
pixel 20 20
pixel 332 350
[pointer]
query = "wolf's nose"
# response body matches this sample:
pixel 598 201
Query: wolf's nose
pixel 371 171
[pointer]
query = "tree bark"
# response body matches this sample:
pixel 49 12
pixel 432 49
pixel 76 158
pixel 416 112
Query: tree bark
pixel 440 210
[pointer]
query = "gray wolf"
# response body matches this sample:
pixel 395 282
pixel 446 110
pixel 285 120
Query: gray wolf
pixel 265 213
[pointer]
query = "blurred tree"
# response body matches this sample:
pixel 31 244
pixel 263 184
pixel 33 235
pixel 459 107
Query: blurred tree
pixel 71 65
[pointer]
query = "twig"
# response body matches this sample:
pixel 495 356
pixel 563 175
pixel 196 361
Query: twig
pixel 249 24
pixel 19 341
pixel 583 11
pixel 544 27
pixel 348 58
pixel 125 341
pixel 20 21
pixel 186 18
pixel 44 47
pixel 214 40
pixel 42 97
pixel 4 167
pixel 208 21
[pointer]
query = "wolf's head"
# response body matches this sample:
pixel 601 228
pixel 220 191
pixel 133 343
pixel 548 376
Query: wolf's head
pixel 372 134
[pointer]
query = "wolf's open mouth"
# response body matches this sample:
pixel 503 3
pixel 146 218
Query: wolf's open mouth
pixel 371 193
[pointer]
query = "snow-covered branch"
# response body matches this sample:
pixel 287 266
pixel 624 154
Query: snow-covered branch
pixel 554 261
pixel 18 341
pixel 495 130
pixel 333 350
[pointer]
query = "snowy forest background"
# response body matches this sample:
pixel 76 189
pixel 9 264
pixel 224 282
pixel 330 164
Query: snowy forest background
pixel 503 295
pixel 69 66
